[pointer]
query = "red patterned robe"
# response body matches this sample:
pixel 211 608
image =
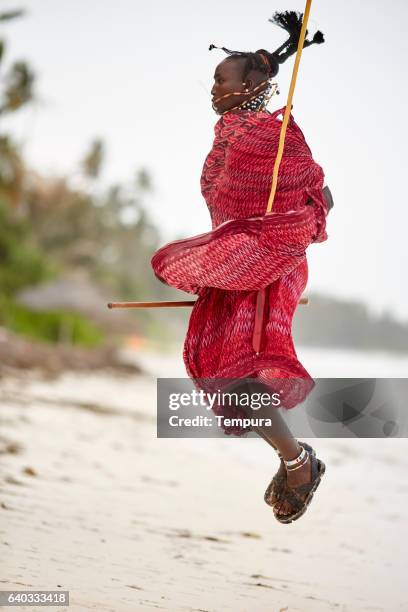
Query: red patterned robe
pixel 248 251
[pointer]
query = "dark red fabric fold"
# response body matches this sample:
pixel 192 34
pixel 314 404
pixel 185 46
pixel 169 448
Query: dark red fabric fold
pixel 239 255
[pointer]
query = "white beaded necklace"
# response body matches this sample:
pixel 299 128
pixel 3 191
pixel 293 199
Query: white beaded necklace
pixel 261 101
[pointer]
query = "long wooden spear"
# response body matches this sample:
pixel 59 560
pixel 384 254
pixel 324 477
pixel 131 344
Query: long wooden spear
pixel 171 304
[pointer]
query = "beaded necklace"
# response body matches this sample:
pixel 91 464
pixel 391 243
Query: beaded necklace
pixel 256 102
pixel 261 100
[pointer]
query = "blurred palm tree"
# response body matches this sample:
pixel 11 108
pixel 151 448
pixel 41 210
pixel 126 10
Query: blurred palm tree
pixel 93 160
pixel 16 90
pixel 7 15
pixel 12 172
pixel 17 82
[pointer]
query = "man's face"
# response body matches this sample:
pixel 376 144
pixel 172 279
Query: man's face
pixel 228 79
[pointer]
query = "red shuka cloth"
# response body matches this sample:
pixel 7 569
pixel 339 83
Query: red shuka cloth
pixel 248 250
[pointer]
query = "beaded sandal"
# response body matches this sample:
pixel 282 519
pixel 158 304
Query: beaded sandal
pixel 294 495
pixel 278 483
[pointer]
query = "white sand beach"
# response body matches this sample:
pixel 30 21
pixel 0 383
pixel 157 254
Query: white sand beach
pixel 92 502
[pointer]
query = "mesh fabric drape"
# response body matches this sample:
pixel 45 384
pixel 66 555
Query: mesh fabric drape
pixel 247 250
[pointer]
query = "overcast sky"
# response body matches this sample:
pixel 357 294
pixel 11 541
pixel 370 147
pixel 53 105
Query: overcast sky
pixel 138 75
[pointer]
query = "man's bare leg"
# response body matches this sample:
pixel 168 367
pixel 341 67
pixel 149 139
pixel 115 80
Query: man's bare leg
pixel 280 438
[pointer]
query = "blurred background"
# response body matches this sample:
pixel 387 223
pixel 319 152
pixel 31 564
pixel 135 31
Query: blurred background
pixel 105 122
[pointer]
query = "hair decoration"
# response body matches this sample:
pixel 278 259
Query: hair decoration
pixel 268 62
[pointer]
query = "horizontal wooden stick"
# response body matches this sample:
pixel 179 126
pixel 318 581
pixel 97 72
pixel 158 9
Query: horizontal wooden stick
pixel 303 300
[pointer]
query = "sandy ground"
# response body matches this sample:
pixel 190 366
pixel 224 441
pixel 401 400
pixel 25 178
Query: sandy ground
pixel 92 502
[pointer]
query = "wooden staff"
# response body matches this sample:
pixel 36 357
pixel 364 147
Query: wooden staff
pixel 303 300
pixel 260 298
pixel 288 108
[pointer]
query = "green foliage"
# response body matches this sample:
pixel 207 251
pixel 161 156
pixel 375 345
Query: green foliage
pixel 50 326
pixel 11 173
pixel 93 160
pixel 19 87
pixel 17 83
pixel 50 225
pixel 9 15
pixel 109 235
pixel 21 263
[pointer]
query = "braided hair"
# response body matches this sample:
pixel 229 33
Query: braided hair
pixel 266 62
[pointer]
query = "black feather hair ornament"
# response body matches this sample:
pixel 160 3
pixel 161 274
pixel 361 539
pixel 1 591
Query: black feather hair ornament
pixel 291 21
